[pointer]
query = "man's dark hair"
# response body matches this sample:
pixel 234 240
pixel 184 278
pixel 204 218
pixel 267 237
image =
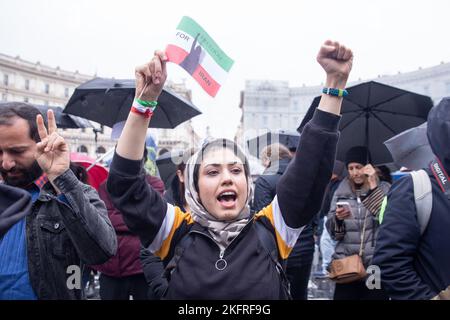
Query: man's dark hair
pixel 26 111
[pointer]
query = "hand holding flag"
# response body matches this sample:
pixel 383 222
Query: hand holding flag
pixel 150 77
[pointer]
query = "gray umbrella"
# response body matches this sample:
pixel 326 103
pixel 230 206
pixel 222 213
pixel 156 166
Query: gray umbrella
pixel 108 101
pixel 410 148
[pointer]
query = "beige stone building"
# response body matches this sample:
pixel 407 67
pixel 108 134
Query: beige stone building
pixel 273 105
pixel 39 84
pixel 35 83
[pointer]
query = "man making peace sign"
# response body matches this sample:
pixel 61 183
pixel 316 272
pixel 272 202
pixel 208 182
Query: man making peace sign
pixel 67 224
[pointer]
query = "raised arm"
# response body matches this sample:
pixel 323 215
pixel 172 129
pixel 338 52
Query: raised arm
pixel 150 80
pixel 301 188
pixel 337 61
pixel 89 216
pixel 143 209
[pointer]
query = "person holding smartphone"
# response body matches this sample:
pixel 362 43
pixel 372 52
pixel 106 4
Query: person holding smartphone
pixel 353 218
pixel 343 210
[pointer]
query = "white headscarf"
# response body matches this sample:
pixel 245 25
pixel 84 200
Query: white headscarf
pixel 223 232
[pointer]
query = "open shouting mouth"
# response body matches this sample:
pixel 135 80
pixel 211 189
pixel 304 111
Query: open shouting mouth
pixel 227 199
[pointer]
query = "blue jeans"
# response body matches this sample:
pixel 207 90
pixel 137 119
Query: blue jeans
pixel 327 246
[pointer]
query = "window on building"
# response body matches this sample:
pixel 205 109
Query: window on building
pixel 264 121
pixel 82 149
pixel 162 151
pixel 25 99
pixel 101 150
pixel 5 80
pixel 66 92
pixel 27 84
pixel 47 88
pixel 4 97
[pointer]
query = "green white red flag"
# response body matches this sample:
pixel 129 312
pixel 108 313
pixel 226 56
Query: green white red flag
pixel 195 51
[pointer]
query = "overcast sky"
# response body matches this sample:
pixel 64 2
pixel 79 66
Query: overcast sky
pixel 275 40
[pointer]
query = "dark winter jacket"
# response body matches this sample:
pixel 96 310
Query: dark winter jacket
pixel 415 266
pixel 126 262
pixel 265 191
pixel 266 184
pixel 250 273
pixel 15 204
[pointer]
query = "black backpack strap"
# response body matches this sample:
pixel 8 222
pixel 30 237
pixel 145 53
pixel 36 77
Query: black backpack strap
pixel 182 245
pixel 268 241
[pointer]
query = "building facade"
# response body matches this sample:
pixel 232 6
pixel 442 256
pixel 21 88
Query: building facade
pixel 38 84
pixel 273 105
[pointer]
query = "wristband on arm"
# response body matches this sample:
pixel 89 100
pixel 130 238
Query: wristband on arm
pixel 335 92
pixel 143 108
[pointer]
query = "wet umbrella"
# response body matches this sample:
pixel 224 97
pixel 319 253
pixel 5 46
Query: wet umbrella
pixel 374 112
pixel 108 101
pixel 288 138
pixel 64 120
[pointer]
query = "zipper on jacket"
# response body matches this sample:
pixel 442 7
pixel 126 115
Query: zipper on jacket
pixel 221 263
pixel 358 203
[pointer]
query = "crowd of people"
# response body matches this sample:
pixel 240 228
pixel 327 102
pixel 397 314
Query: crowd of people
pixel 215 233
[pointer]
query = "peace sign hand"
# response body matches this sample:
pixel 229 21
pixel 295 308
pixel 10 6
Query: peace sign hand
pixel 52 152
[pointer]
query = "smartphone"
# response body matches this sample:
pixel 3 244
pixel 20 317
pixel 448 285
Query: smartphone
pixel 343 204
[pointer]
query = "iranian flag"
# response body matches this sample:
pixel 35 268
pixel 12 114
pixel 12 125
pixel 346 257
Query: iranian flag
pixel 193 49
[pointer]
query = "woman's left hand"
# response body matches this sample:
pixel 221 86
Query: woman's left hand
pixel 372 176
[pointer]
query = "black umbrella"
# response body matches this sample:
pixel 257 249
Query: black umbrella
pixel 288 138
pixel 374 112
pixel 63 120
pixel 167 166
pixel 108 101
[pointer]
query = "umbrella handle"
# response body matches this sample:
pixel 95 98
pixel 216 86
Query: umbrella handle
pixel 142 92
pixel 99 159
